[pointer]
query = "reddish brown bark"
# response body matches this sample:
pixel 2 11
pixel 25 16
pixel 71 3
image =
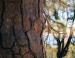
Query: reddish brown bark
pixel 20 29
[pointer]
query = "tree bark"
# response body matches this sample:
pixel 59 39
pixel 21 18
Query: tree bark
pixel 19 35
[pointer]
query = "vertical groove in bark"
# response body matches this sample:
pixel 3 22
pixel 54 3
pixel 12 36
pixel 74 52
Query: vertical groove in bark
pixel 2 8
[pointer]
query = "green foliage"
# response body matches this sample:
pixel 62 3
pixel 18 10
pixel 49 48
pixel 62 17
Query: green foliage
pixel 74 10
pixel 56 14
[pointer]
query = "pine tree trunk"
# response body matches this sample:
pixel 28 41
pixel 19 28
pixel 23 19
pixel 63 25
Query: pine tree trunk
pixel 21 24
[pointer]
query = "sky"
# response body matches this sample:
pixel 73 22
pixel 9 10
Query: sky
pixel 50 40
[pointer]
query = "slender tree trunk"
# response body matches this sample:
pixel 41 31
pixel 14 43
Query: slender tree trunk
pixel 21 23
pixel 62 51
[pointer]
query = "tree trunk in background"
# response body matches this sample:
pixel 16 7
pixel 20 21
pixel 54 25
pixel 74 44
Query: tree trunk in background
pixel 21 23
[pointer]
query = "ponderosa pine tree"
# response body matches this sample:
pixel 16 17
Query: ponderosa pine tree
pixel 21 23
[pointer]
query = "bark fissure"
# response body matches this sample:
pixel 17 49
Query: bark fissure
pixel 2 19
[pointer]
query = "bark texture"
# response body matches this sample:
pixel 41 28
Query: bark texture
pixel 21 23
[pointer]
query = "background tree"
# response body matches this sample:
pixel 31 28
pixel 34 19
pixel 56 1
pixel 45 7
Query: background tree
pixel 54 11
